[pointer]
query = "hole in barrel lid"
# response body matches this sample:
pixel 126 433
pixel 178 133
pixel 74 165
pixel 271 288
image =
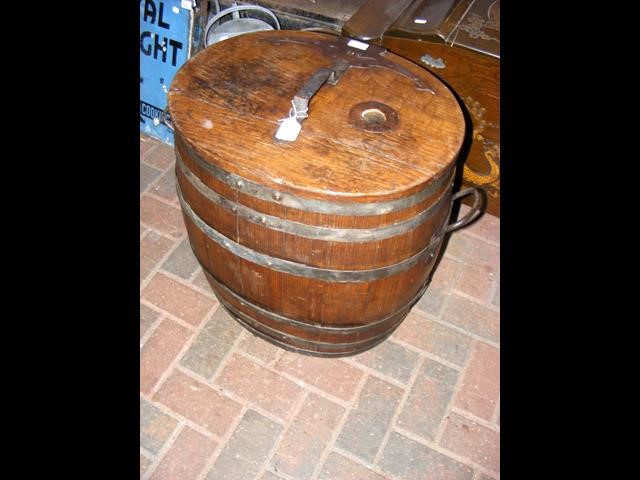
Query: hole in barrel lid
pixel 373 116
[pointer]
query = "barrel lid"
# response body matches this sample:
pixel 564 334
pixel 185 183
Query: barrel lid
pixel 379 128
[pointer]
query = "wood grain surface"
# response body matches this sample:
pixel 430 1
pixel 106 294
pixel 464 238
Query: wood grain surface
pixel 225 105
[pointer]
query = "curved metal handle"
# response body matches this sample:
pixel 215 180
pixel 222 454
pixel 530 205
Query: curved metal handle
pixel 163 118
pixel 290 127
pixel 311 86
pixel 479 204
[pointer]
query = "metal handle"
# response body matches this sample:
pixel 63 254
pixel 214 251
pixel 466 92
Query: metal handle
pixel 163 118
pixel 290 126
pixel 311 86
pixel 479 205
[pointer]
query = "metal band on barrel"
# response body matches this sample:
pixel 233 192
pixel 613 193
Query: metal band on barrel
pixel 283 335
pixel 312 231
pixel 312 205
pixel 300 269
pixel 317 353
pixel 347 329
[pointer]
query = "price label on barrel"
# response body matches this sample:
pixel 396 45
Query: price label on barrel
pixel 288 130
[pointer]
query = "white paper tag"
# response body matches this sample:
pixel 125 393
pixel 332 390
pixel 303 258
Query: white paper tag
pixel 357 44
pixel 186 4
pixel 289 130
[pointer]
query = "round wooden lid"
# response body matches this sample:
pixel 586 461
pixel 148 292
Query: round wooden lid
pixel 383 130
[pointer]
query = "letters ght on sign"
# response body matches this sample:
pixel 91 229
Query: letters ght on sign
pixel 152 44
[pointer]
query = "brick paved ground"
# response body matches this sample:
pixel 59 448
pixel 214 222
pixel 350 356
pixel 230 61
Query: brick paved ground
pixel 219 403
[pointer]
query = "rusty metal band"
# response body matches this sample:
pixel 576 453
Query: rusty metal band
pixel 312 231
pixel 267 194
pixel 292 348
pixel 276 317
pixel 300 269
pixel 285 336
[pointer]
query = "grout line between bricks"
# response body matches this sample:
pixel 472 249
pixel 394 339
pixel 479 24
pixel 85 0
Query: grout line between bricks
pixel 496 412
pixel 373 468
pixel 312 388
pixel 374 373
pixel 225 392
pixel 282 475
pixel 196 272
pixel 223 362
pixel 169 315
pixel 488 305
pixel 447 291
pixel 148 230
pixel 427 354
pixel 295 410
pixel 484 239
pixel 331 444
pixel 174 363
pixel 165 448
pixel 454 394
pixel 146 280
pixel 448 453
pixel 224 441
pixel 167 168
pixel 476 475
pixel 474 336
pixel 154 145
pixel 399 408
pixel 475 419
pixel 279 354
pixel 181 418
pixel 246 335
pixel 168 203
pixel 160 232
pixel 187 283
pixel 146 453
pixel 152 329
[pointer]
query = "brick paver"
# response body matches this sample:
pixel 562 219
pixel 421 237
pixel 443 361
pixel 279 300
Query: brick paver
pixel 364 430
pixel 155 426
pixel 480 387
pixel 212 344
pixel 178 299
pixel 218 402
pixel 305 441
pixel 258 385
pixel 198 402
pixel 159 351
pixel 186 457
pixel 181 262
pixel 247 449
pixel 428 399
pixel 410 460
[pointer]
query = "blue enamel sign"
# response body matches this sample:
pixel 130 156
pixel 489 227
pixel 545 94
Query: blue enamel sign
pixel 165 42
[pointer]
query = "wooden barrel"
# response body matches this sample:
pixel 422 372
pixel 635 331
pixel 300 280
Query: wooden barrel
pixel 319 242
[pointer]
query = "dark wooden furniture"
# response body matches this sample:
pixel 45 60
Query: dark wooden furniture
pixel 322 244
pixel 459 41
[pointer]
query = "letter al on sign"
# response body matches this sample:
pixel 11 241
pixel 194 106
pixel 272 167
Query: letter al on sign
pixel 166 42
